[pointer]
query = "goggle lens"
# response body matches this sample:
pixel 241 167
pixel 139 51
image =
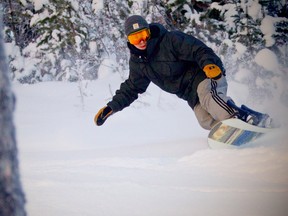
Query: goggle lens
pixel 137 37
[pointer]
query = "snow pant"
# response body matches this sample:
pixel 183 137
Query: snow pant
pixel 212 106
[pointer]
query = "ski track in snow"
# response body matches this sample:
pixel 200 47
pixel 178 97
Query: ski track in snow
pixel 146 160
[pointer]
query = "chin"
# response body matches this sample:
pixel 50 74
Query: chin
pixel 141 47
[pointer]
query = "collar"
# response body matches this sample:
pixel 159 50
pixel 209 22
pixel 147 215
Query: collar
pixel 136 51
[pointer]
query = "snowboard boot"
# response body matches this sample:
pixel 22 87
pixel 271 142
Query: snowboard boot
pixel 251 116
pixel 257 118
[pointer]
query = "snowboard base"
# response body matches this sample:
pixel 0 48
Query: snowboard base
pixel 234 132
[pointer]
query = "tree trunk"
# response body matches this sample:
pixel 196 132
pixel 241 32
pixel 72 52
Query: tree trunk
pixel 12 197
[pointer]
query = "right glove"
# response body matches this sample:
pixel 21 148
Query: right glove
pixel 212 71
pixel 102 115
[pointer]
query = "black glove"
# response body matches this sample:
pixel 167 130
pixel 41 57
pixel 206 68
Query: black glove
pixel 102 115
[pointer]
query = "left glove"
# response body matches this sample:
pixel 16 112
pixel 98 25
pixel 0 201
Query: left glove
pixel 102 115
pixel 212 71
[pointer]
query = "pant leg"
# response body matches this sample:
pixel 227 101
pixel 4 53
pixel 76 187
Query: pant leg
pixel 213 99
pixel 205 120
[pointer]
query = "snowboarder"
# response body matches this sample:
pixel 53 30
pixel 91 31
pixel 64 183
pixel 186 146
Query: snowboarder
pixel 179 64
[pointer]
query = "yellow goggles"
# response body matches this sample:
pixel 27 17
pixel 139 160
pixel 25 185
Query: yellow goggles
pixel 136 37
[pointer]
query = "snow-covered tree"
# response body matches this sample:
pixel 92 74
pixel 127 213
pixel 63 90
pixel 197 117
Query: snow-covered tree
pixel 71 34
pixel 17 16
pixel 61 37
pixel 12 198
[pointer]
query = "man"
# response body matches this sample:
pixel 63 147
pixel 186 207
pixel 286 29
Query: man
pixel 179 64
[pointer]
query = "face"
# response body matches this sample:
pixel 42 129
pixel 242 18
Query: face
pixel 139 39
pixel 142 45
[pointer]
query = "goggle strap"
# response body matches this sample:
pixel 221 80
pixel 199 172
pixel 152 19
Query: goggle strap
pixel 140 31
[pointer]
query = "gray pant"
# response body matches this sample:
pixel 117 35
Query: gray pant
pixel 212 106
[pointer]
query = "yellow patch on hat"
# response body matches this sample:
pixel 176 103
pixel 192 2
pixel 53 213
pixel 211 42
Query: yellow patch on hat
pixel 135 26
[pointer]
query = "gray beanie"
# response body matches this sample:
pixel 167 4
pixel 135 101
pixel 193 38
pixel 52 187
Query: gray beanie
pixel 135 23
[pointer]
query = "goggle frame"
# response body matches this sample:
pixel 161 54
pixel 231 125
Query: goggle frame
pixel 136 37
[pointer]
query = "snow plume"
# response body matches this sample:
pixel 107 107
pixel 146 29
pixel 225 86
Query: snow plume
pixel 264 78
pixel 244 54
pixel 267 59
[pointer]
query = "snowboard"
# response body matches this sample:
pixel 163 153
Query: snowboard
pixel 234 132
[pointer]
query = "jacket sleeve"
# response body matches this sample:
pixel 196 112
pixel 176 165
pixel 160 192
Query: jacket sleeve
pixel 136 83
pixel 189 48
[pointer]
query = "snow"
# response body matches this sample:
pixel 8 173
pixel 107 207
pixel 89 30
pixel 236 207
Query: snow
pixel 253 8
pixel 267 59
pixel 38 4
pixel 108 65
pixel 268 29
pixel 240 48
pixel 78 43
pixel 75 5
pixel 97 5
pixel 149 159
pixel 228 11
pixel 242 75
pixel 55 34
pixel 38 17
pixel 23 2
pixel 188 10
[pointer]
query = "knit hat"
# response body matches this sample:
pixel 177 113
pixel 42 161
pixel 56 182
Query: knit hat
pixel 135 23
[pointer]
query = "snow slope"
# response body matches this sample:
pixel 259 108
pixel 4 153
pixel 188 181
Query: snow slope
pixel 150 159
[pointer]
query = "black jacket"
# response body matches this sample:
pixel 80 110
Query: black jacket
pixel 173 61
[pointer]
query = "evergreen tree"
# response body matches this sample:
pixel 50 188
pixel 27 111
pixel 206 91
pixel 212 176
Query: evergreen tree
pixel 281 41
pixel 71 39
pixel 62 38
pixel 12 199
pixel 17 16
pixel 181 11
